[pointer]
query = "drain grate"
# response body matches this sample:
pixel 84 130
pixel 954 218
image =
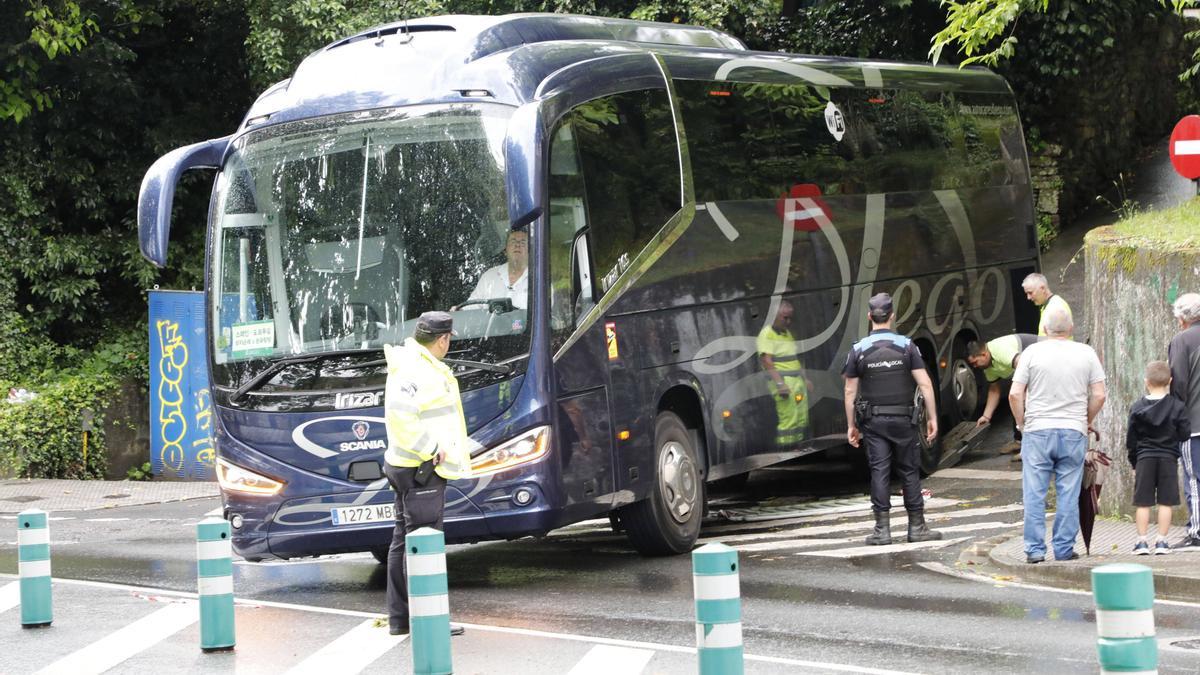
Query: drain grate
pixel 1192 643
pixel 120 496
pixel 22 498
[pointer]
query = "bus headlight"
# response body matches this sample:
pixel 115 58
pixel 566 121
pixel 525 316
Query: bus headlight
pixel 236 479
pixel 528 447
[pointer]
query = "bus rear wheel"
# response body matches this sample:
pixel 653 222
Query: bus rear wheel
pixel 931 453
pixel 667 522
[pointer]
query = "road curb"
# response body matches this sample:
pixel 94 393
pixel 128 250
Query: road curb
pixel 1079 576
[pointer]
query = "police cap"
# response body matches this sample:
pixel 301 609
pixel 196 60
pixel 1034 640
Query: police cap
pixel 436 323
pixel 880 306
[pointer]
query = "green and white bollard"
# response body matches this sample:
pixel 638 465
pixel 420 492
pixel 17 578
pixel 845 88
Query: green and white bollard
pixel 428 602
pixel 214 576
pixel 1125 619
pixel 718 610
pixel 33 562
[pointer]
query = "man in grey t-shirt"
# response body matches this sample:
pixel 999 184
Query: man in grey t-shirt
pixel 1057 390
pixel 1184 356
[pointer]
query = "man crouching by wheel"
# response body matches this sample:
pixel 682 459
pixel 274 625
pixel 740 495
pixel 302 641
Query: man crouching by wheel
pixel 881 413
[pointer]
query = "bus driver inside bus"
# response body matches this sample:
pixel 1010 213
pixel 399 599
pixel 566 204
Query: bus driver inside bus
pixel 509 279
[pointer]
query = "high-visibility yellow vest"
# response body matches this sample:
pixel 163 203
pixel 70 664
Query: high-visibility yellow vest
pixel 423 411
pixel 1052 301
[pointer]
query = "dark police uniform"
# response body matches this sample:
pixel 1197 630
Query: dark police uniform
pixel 883 362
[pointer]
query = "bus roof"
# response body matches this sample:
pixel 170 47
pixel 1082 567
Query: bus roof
pixel 507 59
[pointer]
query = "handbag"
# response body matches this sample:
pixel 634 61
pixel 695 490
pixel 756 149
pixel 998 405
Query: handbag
pixel 1096 464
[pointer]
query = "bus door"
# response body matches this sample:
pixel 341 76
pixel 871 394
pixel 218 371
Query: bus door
pixel 622 155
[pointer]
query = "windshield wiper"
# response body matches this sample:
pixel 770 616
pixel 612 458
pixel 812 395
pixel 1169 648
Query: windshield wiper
pixel 277 365
pixel 480 365
pixel 476 365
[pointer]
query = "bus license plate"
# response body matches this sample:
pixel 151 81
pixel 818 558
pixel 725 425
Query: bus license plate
pixel 352 515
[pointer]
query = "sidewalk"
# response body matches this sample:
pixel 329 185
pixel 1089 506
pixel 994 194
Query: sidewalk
pixel 19 494
pixel 1176 576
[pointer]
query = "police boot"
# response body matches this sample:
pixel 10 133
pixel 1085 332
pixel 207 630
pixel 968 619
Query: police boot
pixel 883 530
pixel 918 530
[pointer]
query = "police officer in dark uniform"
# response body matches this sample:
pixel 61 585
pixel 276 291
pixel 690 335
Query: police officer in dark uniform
pixel 880 412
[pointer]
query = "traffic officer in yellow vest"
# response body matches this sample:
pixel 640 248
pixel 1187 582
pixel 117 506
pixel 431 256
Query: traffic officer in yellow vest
pixel 427 444
pixel 880 414
pixel 781 361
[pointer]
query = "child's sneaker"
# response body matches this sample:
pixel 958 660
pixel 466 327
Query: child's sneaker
pixel 1141 548
pixel 1161 547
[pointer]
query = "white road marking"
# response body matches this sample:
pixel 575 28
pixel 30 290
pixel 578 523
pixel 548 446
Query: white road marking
pixel 977 474
pixel 793 544
pixel 215 512
pixel 104 520
pixel 659 647
pixel 612 660
pixel 817 543
pixel 125 642
pixel 899 518
pixel 351 652
pixel 826 508
pixel 10 595
pixel 863 551
pixel 941 568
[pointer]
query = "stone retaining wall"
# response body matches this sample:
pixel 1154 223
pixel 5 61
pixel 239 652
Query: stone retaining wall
pixel 1128 294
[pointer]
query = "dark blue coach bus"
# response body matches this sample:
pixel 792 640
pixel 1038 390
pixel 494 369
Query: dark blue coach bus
pixel 689 205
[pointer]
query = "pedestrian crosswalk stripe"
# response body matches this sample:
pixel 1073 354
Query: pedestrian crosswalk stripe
pixel 114 648
pixel 10 596
pixel 977 474
pixel 793 544
pixel 862 551
pixel 854 526
pixel 351 652
pixel 610 660
pixel 816 542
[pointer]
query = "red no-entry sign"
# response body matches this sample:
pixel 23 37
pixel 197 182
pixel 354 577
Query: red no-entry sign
pixel 804 218
pixel 1185 147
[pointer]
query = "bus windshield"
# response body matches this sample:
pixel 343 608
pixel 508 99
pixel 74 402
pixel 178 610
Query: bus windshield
pixel 331 235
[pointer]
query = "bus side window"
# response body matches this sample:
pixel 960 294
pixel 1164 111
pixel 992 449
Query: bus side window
pixel 570 265
pixel 629 161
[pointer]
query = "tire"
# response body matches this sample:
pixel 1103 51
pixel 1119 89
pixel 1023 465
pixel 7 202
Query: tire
pixel 381 555
pixel 931 453
pixel 968 386
pixel 668 521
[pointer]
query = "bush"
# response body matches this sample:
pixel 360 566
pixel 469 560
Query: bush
pixel 43 437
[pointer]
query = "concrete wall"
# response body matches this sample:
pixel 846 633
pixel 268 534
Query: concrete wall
pixel 127 430
pixel 1128 295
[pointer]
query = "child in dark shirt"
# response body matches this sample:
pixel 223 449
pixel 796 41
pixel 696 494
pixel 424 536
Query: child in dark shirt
pixel 1158 423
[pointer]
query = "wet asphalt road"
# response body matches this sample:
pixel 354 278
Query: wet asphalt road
pixel 881 610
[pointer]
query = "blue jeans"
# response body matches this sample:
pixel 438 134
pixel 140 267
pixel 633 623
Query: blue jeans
pixel 1057 453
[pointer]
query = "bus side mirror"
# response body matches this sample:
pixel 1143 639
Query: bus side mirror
pixel 523 158
pixel 158 192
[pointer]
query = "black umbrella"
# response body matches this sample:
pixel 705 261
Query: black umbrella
pixel 1095 470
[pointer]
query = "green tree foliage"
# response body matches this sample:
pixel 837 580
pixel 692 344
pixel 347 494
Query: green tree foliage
pixel 982 30
pixel 150 76
pixel 33 33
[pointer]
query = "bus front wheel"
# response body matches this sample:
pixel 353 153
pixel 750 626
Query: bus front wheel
pixel 667 522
